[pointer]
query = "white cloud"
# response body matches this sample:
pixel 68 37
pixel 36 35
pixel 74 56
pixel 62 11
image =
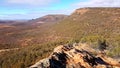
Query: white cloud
pixel 99 3
pixel 40 3
pixel 33 15
pixel 31 2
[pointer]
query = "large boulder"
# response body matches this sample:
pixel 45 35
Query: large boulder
pixel 76 56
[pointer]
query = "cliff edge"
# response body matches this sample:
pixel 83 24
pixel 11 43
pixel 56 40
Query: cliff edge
pixel 77 55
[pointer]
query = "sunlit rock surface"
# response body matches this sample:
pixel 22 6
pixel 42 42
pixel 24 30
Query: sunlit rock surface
pixel 77 55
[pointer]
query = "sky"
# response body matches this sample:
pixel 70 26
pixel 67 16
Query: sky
pixel 31 9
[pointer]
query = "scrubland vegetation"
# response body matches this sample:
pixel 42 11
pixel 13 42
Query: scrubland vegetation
pixel 27 56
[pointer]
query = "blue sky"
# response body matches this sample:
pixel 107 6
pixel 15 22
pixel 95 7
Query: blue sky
pixel 29 9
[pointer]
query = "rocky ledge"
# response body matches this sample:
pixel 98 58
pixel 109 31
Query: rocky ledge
pixel 78 55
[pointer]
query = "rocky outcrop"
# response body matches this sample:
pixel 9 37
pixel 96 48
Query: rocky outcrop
pixel 77 55
pixel 81 11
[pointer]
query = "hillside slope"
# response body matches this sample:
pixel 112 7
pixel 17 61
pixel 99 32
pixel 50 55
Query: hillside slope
pixel 31 32
pixel 91 24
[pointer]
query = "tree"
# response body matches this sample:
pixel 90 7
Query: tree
pixel 102 45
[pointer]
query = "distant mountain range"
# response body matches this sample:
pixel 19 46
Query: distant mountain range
pixel 40 20
pixel 49 18
pixel 9 29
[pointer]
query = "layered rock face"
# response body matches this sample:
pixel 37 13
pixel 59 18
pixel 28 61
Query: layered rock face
pixel 77 55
